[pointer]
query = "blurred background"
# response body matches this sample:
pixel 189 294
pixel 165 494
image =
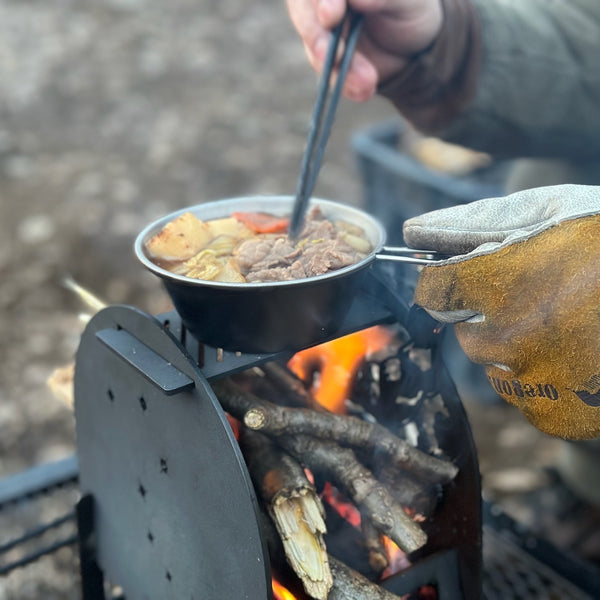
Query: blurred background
pixel 115 112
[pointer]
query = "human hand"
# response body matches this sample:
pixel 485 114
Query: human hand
pixel 393 31
pixel 523 290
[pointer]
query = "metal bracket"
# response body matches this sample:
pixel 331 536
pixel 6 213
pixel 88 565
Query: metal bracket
pixel 147 362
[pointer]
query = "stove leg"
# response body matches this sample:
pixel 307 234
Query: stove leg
pixel 92 580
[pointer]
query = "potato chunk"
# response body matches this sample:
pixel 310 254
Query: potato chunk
pixel 180 239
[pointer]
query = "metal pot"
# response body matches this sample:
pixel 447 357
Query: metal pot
pixel 273 316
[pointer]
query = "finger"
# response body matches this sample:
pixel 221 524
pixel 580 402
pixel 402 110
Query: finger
pixel 460 229
pixel 314 35
pixel 458 294
pixel 361 79
pixel 330 12
pixel 521 293
pixel 313 19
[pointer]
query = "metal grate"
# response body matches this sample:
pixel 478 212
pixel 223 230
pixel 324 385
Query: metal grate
pixel 518 565
pixel 38 557
pixel 511 573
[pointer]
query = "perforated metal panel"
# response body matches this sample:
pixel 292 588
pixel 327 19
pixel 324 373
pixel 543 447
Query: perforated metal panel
pixel 174 510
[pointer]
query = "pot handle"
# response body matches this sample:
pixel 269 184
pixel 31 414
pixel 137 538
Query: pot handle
pixel 410 255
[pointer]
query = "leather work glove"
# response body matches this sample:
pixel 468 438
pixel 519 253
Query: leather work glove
pixel 523 290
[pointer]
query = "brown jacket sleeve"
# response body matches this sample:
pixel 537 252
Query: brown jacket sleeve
pixel 510 77
pixel 437 84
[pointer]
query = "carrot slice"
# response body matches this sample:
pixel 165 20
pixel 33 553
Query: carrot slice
pixel 262 222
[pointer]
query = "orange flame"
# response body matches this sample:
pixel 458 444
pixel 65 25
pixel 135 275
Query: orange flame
pixel 280 592
pixel 336 363
pixel 397 558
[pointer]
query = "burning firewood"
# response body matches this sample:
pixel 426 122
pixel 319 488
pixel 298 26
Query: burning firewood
pixel 349 431
pixel 348 584
pixel 356 432
pixel 289 385
pixel 429 469
pixel 294 506
pixel 373 540
pixel 420 497
pixel 351 585
pixel 374 499
pixel 416 492
pixel 338 463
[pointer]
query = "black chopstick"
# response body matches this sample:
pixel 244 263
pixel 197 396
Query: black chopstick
pixel 321 125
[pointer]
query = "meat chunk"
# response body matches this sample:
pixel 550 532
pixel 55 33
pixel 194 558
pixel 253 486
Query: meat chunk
pixel 318 250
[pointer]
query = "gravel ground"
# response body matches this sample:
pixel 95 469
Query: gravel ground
pixel 112 113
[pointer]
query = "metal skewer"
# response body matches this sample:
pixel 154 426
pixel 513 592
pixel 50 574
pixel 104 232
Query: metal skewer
pixel 322 122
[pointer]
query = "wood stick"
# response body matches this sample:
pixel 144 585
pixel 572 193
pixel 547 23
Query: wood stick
pixel 351 585
pixel 234 400
pixel 348 584
pixel 408 491
pixel 288 383
pixel 349 431
pixel 341 465
pixel 295 508
pixel 378 559
pixel 257 381
pixel 358 483
pixel 280 567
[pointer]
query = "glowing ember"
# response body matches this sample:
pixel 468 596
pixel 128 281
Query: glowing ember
pixel 340 504
pixel 235 425
pixel 336 363
pixel 427 592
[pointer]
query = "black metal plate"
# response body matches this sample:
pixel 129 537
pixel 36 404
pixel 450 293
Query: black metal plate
pixel 175 511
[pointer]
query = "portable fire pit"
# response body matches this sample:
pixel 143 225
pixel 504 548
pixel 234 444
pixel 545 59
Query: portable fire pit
pixel 165 506
pixel 168 508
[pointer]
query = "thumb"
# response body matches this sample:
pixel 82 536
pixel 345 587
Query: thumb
pixel 472 295
pixel 485 224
